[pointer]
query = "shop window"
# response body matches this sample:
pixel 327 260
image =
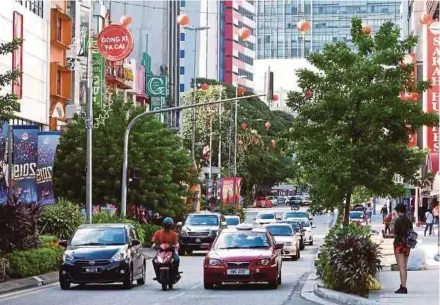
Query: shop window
pixel 58 82
pixel 61 28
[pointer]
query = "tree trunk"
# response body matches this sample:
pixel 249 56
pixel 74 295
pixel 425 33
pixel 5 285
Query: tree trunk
pixel 347 209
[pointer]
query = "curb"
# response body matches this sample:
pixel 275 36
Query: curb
pixel 308 292
pixel 35 281
pixel 340 297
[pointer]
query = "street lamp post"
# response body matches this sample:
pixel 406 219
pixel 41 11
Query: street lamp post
pixel 193 113
pixel 235 139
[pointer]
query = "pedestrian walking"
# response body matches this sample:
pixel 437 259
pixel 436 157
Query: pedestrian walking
pixel 387 223
pixel 429 223
pixel 369 212
pixel 384 212
pixel 401 249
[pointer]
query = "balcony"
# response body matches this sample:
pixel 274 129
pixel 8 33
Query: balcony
pixel 60 28
pixel 115 76
pixel 60 82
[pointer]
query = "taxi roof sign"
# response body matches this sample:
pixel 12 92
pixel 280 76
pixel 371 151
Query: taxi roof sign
pixel 244 227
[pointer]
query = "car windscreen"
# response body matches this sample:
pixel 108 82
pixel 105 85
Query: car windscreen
pixel 202 220
pixel 280 230
pixel 295 225
pixel 266 216
pixel 296 215
pixel 232 221
pixel 99 236
pixel 356 215
pixel 305 224
pixel 242 240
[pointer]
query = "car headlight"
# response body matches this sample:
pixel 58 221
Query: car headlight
pixel 214 262
pixel 68 257
pixel 120 256
pixel 183 233
pixel 288 244
pixel 263 262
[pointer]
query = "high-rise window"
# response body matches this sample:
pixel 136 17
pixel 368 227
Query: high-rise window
pixel 35 6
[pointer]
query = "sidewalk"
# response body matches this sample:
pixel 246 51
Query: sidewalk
pixel 423 285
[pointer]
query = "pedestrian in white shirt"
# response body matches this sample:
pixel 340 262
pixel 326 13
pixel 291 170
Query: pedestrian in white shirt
pixel 369 212
pixel 429 222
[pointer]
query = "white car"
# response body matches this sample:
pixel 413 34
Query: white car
pixel 232 221
pixel 308 229
pixel 265 218
pixel 284 234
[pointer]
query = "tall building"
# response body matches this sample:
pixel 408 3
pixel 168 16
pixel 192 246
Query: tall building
pixel 29 20
pixel 330 20
pixel 220 53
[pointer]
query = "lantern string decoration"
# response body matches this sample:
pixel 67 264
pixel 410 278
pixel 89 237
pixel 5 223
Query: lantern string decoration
pixel 183 19
pixel 106 107
pixel 268 125
pixel 244 140
pixel 303 26
pixel 243 125
pixel 204 86
pixel 426 19
pixel 241 91
pixel 244 33
pixel 126 20
pixel 366 29
pixel 275 98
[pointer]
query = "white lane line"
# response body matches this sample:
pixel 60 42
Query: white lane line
pixel 195 286
pixel 176 296
pixel 21 293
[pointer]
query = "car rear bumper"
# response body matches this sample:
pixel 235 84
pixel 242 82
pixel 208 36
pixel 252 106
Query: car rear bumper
pixel 114 272
pixel 216 275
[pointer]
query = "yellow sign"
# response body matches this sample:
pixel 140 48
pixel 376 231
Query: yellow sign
pixel 128 74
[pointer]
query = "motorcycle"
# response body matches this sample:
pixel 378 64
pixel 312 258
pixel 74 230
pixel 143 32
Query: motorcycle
pixel 294 207
pixel 167 275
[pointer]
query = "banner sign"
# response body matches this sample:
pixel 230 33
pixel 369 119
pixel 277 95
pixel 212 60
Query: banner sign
pixel 24 165
pixel 47 146
pixel 98 75
pixel 4 131
pixel 433 63
pixel 227 193
pixel 157 86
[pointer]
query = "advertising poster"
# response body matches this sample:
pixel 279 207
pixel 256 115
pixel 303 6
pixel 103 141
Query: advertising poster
pixel 24 165
pixel 47 146
pixel 4 130
pixel 227 190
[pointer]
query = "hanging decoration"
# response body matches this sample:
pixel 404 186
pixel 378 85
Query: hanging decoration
pixel 268 125
pixel 309 93
pixel 126 20
pixel 303 26
pixel 275 98
pixel 291 129
pixel 204 86
pixel 244 33
pixel 274 143
pixel 183 19
pixel 426 19
pixel 241 91
pixel 366 29
pixel 243 125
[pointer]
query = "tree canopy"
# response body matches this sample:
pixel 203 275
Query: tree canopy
pixel 352 126
pixel 153 148
pixel 8 102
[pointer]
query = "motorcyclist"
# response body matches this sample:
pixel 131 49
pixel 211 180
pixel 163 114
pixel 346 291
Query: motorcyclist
pixel 167 236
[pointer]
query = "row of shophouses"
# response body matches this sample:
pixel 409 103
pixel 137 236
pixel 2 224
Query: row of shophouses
pixel 53 59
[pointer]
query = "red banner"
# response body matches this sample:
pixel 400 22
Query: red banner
pixel 228 190
pixel 433 64
pixel 404 96
pixel 17 55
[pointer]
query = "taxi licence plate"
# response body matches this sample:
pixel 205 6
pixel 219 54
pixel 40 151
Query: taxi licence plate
pixel 91 270
pixel 237 272
pixel 198 240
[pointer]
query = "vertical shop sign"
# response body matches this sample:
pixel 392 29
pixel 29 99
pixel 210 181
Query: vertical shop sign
pixel 98 75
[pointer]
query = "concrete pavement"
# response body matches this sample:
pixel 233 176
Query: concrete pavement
pixel 189 291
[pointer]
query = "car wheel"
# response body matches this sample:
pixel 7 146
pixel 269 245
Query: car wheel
pixel 82 286
pixel 170 286
pixel 295 257
pixel 64 285
pixel 273 284
pixel 302 245
pixel 298 253
pixel 142 280
pixel 128 282
pixel 279 278
pixel 207 285
pixel 311 243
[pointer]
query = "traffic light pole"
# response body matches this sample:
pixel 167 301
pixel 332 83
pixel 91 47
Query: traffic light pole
pixel 133 121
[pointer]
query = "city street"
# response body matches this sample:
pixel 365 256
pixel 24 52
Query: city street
pixel 189 291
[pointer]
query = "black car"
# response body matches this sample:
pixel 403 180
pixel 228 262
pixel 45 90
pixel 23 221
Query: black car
pixel 295 201
pixel 103 253
pixel 197 229
pixel 298 228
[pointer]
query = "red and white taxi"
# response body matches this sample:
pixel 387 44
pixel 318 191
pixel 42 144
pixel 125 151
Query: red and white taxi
pixel 243 255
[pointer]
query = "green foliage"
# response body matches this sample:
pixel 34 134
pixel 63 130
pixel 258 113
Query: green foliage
pixel 60 219
pixel 230 209
pixel 4 269
pixel 8 102
pixel 361 195
pixel 18 226
pixel 353 131
pixel 347 258
pixel 48 239
pixel 35 261
pixel 153 148
pixel 149 230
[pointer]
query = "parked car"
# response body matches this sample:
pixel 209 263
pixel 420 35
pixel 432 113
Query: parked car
pixel 262 202
pixel 358 217
pixel 284 234
pixel 281 200
pixel 243 255
pixel 265 218
pixel 197 229
pixel 306 201
pixel 274 200
pixel 232 220
pixel 103 253
pixel 298 214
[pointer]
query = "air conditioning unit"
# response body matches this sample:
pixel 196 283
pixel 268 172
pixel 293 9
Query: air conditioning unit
pixel 71 110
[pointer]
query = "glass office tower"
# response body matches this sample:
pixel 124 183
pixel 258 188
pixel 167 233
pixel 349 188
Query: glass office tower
pixel 278 36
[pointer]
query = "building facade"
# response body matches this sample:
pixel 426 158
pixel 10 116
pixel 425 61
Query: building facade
pixel 29 20
pixel 330 20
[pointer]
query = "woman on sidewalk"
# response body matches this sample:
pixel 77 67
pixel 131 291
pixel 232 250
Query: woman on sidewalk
pixel 401 250
pixel 429 222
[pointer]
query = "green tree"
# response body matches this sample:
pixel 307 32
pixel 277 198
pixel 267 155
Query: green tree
pixel 153 148
pixel 8 102
pixel 352 132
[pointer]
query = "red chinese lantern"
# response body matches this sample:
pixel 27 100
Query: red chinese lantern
pixel 204 156
pixel 303 26
pixel 309 93
pixel 183 19
pixel 126 20
pixel 244 33
pixel 275 98
pixel 268 124
pixel 204 86
pixel 415 96
pixel 426 19
pixel 256 140
pixel 243 125
pixel 366 29
pixel 240 142
pixel 241 91
pixel 274 143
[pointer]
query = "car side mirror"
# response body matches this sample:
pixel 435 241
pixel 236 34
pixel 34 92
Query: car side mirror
pixel 179 225
pixel 279 246
pixel 205 246
pixel 224 224
pixel 63 243
pixel 135 242
pixel 278 218
pixel 313 227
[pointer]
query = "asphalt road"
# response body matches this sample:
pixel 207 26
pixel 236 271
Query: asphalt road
pixel 189 291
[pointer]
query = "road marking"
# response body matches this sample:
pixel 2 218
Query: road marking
pixel 176 296
pixel 20 293
pixel 195 286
